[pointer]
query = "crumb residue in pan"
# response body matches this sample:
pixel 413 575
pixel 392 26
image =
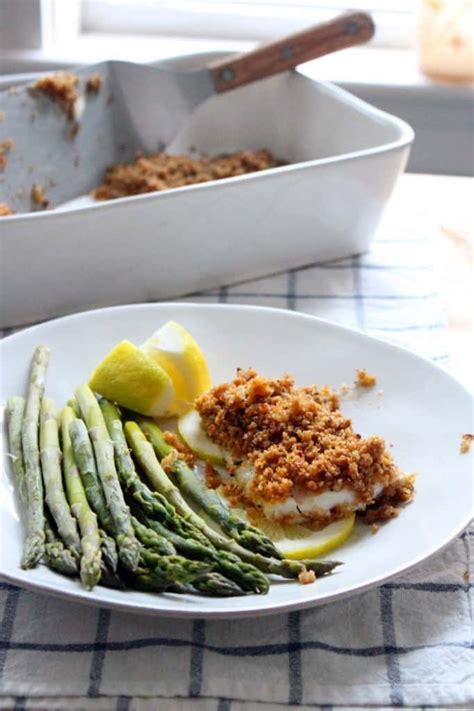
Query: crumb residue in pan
pixel 61 88
pixel 39 197
pixel 94 84
pixel 2 116
pixel 5 146
pixel 74 129
pixel 5 209
pixel 162 171
pixel 364 379
pixel 466 441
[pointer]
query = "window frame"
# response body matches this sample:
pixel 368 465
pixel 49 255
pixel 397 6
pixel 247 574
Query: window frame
pixel 257 21
pixel 44 24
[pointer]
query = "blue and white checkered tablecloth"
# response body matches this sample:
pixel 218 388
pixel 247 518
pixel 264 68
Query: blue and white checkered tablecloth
pixel 407 643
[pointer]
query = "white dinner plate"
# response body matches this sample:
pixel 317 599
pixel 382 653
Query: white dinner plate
pixel 422 412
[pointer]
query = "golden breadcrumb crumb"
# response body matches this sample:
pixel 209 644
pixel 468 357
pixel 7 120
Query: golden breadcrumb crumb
pixel 5 146
pixel 5 209
pixel 364 379
pixel 211 476
pixel 162 171
pixel 306 577
pixel 374 528
pixel 387 505
pixel 94 84
pixel 169 461
pixel 61 88
pixel 184 452
pixel 466 441
pixel 466 575
pixel 38 196
pixel 2 116
pixel 295 438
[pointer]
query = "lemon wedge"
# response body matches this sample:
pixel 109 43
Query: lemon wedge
pixel 296 542
pixel 175 350
pixel 126 376
pixel 194 436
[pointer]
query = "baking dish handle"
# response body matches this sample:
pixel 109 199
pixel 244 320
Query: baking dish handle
pixel 344 31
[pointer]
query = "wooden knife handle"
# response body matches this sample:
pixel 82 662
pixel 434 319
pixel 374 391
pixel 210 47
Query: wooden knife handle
pixel 344 31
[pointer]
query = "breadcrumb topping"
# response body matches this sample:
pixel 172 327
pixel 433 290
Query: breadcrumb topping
pixel 211 476
pixel 184 452
pixel 387 505
pixel 296 439
pixel 306 577
pixel 61 88
pixel 169 461
pixel 364 379
pixel 162 171
pixel 466 441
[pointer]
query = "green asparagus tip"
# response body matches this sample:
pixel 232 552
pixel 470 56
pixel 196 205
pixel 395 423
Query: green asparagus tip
pixel 33 550
pixel 321 567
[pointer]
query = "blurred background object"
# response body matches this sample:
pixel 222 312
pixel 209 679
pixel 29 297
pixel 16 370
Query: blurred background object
pixel 49 34
pixel 445 39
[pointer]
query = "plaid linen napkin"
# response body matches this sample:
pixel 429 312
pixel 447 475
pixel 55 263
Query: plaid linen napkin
pixel 407 643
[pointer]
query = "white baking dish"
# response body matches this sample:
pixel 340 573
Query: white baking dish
pixel 344 157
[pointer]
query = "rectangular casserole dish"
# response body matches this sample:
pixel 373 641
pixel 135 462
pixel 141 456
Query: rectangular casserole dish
pixel 343 156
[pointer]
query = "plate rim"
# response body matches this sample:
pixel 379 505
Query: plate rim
pixel 253 609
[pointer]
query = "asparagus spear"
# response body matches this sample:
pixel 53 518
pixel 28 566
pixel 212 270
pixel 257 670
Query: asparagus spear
pixel 58 557
pixel 152 539
pixel 35 521
pixel 128 545
pixel 72 403
pixel 217 585
pixel 81 450
pixel 52 477
pixel 145 454
pixel 157 573
pixel 212 583
pixel 152 502
pixel 156 506
pixel 90 568
pixel 109 550
pixel 84 457
pixel 15 410
pixel 172 569
pixel 110 578
pixel 208 500
pixel 245 575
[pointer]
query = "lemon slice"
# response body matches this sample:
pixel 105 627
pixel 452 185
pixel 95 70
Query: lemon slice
pixel 296 542
pixel 194 436
pixel 131 379
pixel 176 351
